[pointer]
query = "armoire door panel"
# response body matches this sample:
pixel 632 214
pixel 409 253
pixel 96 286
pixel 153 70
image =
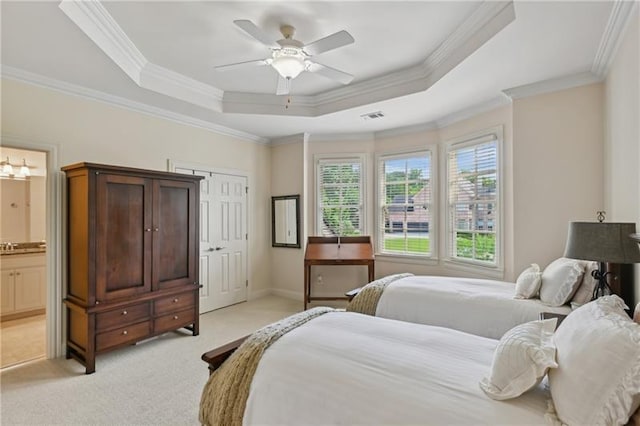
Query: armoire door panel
pixel 123 218
pixel 173 237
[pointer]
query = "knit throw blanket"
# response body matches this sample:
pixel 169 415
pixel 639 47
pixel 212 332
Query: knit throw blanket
pixel 366 302
pixel 225 395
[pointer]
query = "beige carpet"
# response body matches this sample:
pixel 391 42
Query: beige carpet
pixel 156 382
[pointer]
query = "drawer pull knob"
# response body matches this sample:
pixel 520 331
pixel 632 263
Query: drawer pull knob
pixel 125 332
pixel 156 229
pixel 124 312
pixel 175 300
pixel 147 230
pixel 175 317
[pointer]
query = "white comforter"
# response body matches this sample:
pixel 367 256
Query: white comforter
pixel 348 368
pixel 481 307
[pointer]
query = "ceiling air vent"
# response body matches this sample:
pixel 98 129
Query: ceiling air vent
pixel 372 115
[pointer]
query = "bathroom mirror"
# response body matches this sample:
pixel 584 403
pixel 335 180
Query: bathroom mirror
pixel 285 221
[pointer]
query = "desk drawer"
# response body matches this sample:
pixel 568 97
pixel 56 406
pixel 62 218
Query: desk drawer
pixel 174 321
pixel 179 302
pixel 123 316
pixel 116 337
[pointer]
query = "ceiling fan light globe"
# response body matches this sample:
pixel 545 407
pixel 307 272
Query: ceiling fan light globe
pixel 289 62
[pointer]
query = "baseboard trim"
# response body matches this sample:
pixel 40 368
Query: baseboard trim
pixel 288 294
pixel 257 294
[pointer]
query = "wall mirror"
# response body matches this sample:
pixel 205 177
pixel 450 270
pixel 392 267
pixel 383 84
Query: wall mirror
pixel 285 221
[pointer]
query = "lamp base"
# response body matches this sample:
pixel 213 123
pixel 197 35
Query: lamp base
pixel 603 288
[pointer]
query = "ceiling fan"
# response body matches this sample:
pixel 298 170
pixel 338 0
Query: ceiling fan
pixel 290 57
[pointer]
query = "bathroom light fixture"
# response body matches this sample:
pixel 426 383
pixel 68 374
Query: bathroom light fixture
pixel 24 169
pixel 7 169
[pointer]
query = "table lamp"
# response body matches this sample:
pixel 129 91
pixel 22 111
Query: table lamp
pixel 603 242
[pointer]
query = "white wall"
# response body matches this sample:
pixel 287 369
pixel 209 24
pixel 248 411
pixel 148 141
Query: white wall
pixel 287 165
pixel 558 141
pixel 38 208
pixel 86 130
pixel 622 140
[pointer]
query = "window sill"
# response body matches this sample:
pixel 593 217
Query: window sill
pixel 400 258
pixel 489 272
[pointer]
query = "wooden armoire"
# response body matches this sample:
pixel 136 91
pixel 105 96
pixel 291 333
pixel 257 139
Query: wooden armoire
pixel 132 256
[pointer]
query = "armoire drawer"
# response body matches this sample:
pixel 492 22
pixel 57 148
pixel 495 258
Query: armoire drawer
pixel 168 305
pixel 123 316
pixel 131 333
pixel 173 321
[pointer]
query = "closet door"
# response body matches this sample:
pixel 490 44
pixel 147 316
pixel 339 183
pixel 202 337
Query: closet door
pixel 123 236
pixel 174 234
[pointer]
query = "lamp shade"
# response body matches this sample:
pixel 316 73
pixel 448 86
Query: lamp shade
pixel 602 242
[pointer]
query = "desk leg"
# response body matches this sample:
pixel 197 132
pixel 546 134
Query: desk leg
pixel 307 277
pixel 371 272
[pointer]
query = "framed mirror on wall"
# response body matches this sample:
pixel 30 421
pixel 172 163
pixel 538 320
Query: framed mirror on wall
pixel 285 221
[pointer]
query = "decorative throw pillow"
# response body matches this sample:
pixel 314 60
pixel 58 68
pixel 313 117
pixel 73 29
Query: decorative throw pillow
pixel 528 283
pixel 598 376
pixel 522 358
pixel 560 280
pixel 585 291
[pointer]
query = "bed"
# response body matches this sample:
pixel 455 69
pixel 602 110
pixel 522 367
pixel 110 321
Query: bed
pixel 482 307
pixel 326 366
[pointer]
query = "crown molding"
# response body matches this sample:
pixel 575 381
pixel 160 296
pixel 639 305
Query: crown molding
pixel 287 140
pixel 94 20
pixel 472 111
pixel 332 137
pixel 97 24
pixel 619 18
pixel 176 85
pixel 95 95
pixel 406 130
pixel 447 120
pixel 552 85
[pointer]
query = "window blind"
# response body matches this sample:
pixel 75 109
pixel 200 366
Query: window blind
pixel 404 204
pixel 473 200
pixel 339 202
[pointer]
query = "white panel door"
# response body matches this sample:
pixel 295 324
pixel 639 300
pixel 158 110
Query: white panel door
pixel 223 239
pixel 228 229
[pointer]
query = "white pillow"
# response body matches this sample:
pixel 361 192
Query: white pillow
pixel 560 280
pixel 598 376
pixel 522 357
pixel 584 293
pixel 528 282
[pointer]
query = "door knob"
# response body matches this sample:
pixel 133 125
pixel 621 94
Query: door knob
pixel 215 248
pixel 219 248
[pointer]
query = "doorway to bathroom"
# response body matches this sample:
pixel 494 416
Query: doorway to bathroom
pixel 23 255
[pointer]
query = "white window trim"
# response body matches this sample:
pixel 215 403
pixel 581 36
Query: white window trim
pixel 346 158
pixel 493 271
pixel 433 236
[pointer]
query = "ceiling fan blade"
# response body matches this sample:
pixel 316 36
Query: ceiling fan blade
pixel 257 33
pixel 284 85
pixel 331 73
pixel 330 42
pixel 237 65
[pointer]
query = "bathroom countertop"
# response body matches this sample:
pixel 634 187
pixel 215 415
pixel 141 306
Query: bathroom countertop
pixel 22 251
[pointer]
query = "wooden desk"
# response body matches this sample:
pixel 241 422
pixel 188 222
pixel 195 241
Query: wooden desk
pixel 326 251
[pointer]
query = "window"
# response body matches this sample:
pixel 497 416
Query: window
pixel 405 196
pixel 340 196
pixel 473 201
